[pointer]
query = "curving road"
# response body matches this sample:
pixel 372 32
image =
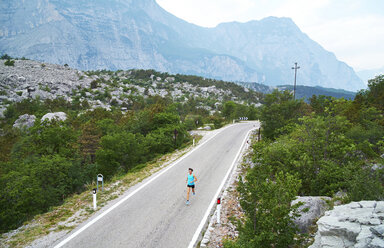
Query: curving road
pixel 153 213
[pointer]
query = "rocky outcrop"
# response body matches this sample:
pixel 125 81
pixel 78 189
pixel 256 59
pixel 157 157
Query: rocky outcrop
pixel 311 209
pixel 357 224
pixel 32 79
pixel 25 121
pixel 29 79
pixel 58 116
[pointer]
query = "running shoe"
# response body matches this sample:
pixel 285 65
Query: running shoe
pixel 187 202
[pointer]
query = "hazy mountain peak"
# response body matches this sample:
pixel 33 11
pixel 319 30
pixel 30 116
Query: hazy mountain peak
pixel 124 34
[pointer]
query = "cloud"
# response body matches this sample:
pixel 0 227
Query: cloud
pixel 358 41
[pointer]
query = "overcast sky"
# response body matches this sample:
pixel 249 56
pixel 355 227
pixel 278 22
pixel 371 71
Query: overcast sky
pixel 352 29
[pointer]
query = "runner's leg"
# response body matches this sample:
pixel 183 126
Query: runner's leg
pixel 188 190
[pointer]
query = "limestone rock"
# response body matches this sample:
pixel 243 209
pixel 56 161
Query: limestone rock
pixel 313 207
pixel 58 116
pixel 357 224
pixel 25 121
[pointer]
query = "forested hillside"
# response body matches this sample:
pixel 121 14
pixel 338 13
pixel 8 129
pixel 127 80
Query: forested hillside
pixel 317 149
pixel 302 91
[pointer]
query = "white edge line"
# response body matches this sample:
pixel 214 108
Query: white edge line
pixel 204 220
pixel 134 192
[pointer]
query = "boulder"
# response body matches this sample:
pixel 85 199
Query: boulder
pixel 25 121
pixel 58 116
pixel 207 128
pixel 357 224
pixel 2 111
pixel 170 79
pixel 311 209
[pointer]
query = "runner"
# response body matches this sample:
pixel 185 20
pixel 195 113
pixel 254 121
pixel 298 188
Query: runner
pixel 191 179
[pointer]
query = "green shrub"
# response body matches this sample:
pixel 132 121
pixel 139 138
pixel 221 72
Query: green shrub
pixel 9 62
pixel 266 200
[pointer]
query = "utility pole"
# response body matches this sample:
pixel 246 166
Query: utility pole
pixel 294 85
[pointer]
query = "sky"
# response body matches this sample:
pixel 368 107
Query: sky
pixel 352 29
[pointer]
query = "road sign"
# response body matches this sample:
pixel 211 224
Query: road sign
pixel 100 178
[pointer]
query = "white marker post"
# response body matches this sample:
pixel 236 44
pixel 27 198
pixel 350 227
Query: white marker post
pixel 193 141
pixel 94 199
pixel 218 210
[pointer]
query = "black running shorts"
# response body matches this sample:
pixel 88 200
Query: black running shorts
pixel 191 186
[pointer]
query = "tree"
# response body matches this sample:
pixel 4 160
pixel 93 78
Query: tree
pixel 34 185
pixel 229 109
pixel 375 92
pixel 163 119
pixel 119 152
pixel 266 200
pixel 89 141
pixel 279 113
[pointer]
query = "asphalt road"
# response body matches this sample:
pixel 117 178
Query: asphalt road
pixel 157 216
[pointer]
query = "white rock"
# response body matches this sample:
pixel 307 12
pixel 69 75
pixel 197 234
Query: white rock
pixel 59 116
pixel 379 207
pixel 378 231
pixel 312 209
pixel 205 241
pixel 25 121
pixel 368 204
pixel 377 243
pixel 374 222
pixel 356 224
pixel 169 79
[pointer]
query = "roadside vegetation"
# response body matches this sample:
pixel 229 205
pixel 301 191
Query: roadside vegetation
pixel 317 149
pixel 42 166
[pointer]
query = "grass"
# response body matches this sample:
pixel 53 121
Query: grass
pixel 78 208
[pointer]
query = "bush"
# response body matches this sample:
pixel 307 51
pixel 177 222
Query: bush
pixel 119 152
pixel 94 84
pixel 266 200
pixel 9 62
pixel 34 186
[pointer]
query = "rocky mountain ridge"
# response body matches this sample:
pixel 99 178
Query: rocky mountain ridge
pixel 128 34
pixel 33 79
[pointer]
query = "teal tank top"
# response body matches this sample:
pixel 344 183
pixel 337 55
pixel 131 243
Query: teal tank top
pixel 190 179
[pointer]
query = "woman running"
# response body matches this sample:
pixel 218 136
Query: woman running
pixel 191 179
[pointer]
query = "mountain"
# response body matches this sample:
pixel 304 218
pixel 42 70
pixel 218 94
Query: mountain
pixel 125 34
pixel 307 92
pixel 366 75
pixel 301 91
